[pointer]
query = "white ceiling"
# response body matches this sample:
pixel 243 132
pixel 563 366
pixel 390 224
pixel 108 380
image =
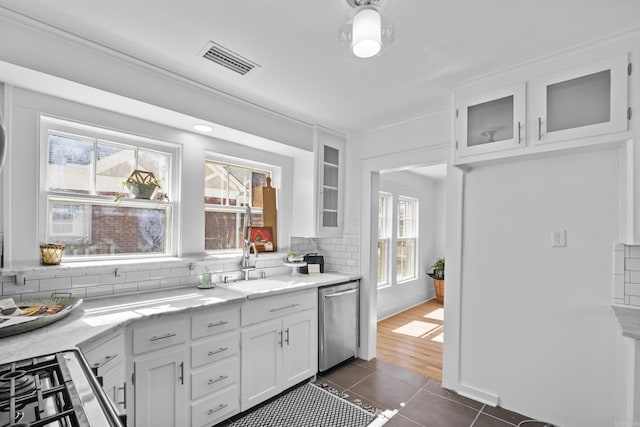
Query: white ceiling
pixel 303 71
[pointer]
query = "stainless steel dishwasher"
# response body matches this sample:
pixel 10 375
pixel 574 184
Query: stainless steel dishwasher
pixel 338 323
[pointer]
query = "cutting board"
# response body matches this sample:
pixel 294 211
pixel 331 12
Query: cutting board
pixel 269 213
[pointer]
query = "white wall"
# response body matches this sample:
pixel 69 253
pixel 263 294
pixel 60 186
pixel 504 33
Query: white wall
pixel 537 329
pixel 397 297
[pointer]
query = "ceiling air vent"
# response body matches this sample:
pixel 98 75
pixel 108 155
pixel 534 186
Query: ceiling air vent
pixel 228 59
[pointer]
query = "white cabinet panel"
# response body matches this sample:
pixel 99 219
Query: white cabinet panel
pixel 490 122
pixel 582 102
pixel 160 391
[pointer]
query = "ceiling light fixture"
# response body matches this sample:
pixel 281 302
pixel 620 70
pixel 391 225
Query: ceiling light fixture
pixel 367 31
pixel 202 128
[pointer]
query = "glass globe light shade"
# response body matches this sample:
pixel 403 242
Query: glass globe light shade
pixel 367 32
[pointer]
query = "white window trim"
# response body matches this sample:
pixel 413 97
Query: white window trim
pixel 68 126
pixel 389 236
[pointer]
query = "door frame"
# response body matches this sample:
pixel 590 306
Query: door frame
pixel 370 178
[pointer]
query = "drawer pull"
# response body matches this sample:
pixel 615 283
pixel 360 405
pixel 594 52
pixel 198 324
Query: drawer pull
pixel 217 380
pixel 161 337
pixel 220 350
pixel 219 408
pixel 220 323
pixel 124 395
pixel 108 358
pixel 283 308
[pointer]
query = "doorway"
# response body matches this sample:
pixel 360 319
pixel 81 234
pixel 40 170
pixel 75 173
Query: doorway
pixel 411 224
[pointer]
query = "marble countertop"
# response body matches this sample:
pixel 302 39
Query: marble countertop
pixel 101 316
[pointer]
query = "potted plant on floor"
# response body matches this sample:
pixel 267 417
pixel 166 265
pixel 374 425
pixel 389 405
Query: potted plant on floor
pixel 437 274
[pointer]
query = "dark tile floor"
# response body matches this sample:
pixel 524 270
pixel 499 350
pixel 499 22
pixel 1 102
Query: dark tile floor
pixel 420 401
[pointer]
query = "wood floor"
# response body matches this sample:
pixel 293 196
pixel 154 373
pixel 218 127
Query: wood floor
pixel 413 339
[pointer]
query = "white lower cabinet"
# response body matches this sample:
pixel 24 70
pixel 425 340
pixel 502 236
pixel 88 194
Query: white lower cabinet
pixel 106 357
pixel 186 368
pixel 279 351
pixel 160 390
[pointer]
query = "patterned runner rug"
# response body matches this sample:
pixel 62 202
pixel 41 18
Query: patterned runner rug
pixel 307 406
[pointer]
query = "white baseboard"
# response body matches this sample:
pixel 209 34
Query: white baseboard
pixel 482 396
pixel 402 309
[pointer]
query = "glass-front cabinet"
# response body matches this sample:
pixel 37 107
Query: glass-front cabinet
pixel 582 102
pixel 330 157
pixel 491 121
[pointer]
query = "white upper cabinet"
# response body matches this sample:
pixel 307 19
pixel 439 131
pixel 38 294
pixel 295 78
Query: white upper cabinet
pixel 318 187
pixel 582 102
pixel 554 106
pixel 329 149
pixel 490 122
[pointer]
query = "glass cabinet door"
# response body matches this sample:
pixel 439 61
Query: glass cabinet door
pixel 491 122
pixel 583 102
pixel 330 188
pixel 330 163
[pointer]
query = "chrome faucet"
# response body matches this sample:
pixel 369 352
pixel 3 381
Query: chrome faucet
pixel 247 244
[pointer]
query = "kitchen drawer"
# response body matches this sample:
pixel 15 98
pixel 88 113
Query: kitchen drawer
pixel 215 320
pixel 214 349
pixel 218 376
pixel 156 336
pixel 219 406
pixel 262 309
pixel 107 355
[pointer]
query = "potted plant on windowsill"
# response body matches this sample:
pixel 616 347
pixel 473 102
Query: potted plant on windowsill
pixel 437 274
pixel 142 185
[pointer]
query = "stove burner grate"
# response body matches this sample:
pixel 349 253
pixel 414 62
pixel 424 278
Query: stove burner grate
pixel 17 381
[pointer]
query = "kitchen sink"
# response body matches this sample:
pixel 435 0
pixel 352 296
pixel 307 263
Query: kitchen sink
pixel 263 285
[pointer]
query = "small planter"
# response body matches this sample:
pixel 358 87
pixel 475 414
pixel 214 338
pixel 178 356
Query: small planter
pixel 51 253
pixel 439 285
pixel 141 190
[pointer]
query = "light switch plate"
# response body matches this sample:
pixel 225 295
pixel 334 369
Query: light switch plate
pixel 559 238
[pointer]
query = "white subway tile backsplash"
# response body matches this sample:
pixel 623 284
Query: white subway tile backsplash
pixel 122 288
pixel 634 300
pixel 149 284
pixel 632 264
pixel 634 277
pixel 634 251
pixel 78 281
pixel 170 282
pixel 96 291
pixel 136 276
pixel 108 279
pixel 55 283
pixel 632 289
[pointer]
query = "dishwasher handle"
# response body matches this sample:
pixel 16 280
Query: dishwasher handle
pixel 337 294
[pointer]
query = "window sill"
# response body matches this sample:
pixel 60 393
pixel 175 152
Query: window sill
pixel 82 267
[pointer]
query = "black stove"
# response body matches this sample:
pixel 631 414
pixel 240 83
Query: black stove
pixel 55 390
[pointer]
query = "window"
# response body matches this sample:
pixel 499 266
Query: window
pixel 231 185
pixel 84 169
pixel 406 239
pixel 384 222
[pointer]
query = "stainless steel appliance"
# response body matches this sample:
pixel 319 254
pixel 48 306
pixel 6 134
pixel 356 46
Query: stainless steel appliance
pixel 54 390
pixel 337 323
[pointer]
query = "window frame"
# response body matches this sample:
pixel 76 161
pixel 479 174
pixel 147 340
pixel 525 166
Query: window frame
pixel 388 226
pixel 414 236
pixel 99 134
pixel 276 178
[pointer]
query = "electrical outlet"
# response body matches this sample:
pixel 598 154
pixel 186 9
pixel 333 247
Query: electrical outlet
pixel 559 238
